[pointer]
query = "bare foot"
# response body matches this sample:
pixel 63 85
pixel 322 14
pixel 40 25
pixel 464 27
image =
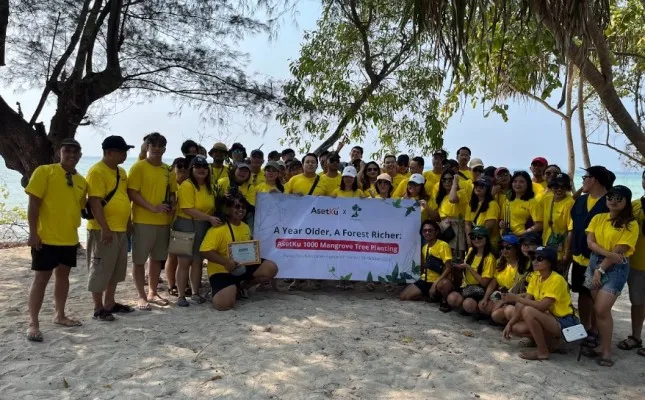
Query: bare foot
pixel 34 334
pixel 142 305
pixel 68 322
pixel 157 300
pixel 533 355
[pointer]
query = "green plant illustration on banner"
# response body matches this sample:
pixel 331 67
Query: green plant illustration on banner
pixel 356 210
pixel 408 210
pixel 332 271
pixel 396 276
pixel 370 278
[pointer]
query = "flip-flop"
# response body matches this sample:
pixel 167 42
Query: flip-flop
pixel 69 323
pixel 159 301
pixel 121 308
pixel 605 362
pixel 35 337
pixel 144 308
pixel 532 356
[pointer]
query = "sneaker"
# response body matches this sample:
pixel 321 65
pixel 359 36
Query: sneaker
pixel 182 302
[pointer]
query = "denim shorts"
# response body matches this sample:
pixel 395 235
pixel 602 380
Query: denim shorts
pixel 567 321
pixel 614 279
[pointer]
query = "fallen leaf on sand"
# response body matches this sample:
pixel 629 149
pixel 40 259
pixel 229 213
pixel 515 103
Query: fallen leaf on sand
pixel 468 333
pixel 406 339
pixel 65 384
pixel 107 386
pixel 268 329
pixel 216 377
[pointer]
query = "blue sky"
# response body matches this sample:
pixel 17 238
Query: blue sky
pixel 531 130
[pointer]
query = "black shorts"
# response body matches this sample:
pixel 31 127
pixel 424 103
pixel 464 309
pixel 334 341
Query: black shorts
pixel 578 278
pixel 424 287
pixel 50 257
pixel 223 280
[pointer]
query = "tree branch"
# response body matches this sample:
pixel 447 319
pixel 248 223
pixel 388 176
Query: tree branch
pixel 113 36
pixel 628 54
pixel 89 24
pixel 4 23
pixel 541 101
pixel 362 30
pixel 616 149
pixel 581 121
pixel 97 29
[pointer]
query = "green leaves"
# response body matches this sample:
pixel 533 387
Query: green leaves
pixel 370 278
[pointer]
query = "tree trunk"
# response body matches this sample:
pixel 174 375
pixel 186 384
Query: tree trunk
pixel 571 157
pixel 4 22
pixel 581 122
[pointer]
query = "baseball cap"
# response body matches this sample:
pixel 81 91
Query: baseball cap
pixel 242 165
pixel 272 164
pixel 500 170
pixel 561 179
pixel 540 160
pixel 480 230
pixel 384 177
pixel 70 142
pixel 281 164
pixel 623 191
pixel 510 239
pixel 549 253
pixel 417 178
pixel 601 174
pixel 116 143
pixel 531 238
pixel 218 147
pixel 198 160
pixel 350 171
pixel 484 181
pixel 476 162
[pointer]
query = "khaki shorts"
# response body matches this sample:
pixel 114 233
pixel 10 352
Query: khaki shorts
pixel 107 263
pixel 150 240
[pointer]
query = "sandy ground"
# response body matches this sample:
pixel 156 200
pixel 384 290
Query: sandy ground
pixel 286 345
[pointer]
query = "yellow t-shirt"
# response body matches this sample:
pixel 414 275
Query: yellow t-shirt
pixel 247 189
pixel 217 238
pixel 189 197
pixel 439 249
pixel 468 173
pixel 432 179
pixel 491 213
pixel 258 178
pixel 539 189
pixel 151 182
pixel 60 208
pixel 488 268
pixel 347 193
pixel 218 173
pixel 101 180
pixel 399 191
pixel 554 287
pixel 521 211
pixel 330 184
pixel 506 277
pixel 264 188
pixel 397 179
pixel 637 260
pixel 456 210
pixel 561 218
pixel 300 184
pixel 608 237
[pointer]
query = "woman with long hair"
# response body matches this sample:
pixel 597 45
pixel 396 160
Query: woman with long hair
pixel 179 167
pixel 522 212
pixel 415 190
pixel 478 269
pixel 510 271
pixel 612 238
pixel 383 187
pixel 502 188
pixel 483 210
pixel 272 182
pixel 228 278
pixel 238 180
pixel 556 205
pixel 348 184
pixel 196 214
pixel 452 201
pixel 368 176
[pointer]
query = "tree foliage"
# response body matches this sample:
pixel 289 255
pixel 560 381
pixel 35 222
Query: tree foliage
pixel 364 69
pixel 80 52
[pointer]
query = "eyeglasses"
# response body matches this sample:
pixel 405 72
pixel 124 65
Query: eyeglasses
pixel 237 151
pixel 506 247
pixel 615 197
pixel 585 177
pixel 239 206
pixel 549 173
pixel 556 187
pixel 70 181
pixel 479 170
pixel 476 237
pixel 503 175
pixel 538 259
pixel 372 170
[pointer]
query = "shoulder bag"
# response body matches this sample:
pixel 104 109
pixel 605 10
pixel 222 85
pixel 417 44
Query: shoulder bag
pixel 555 239
pixel 87 213
pixel 181 243
pixel 313 187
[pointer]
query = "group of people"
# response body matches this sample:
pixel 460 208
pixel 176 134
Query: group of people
pixel 496 245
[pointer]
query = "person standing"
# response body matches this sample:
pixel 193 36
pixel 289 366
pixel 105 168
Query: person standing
pixel 540 184
pixel 433 176
pixel 219 152
pixel 56 196
pixel 151 188
pixel 107 241
pixel 595 183
pixel 463 158
pixel 257 160
pixel 331 178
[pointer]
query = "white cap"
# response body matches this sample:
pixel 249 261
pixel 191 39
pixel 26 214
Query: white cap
pixel 350 171
pixel 417 178
pixel 476 162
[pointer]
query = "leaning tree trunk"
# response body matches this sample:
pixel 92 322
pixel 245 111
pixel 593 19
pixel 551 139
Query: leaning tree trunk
pixel 571 156
pixel 581 122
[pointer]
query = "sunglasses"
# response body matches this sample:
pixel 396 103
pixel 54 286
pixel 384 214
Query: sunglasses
pixel 446 180
pixel 503 175
pixel 381 182
pixel 615 197
pixel 476 237
pixel 180 166
pixel 478 170
pixel 506 247
pixel 237 151
pixel 239 206
pixel 549 173
pixel 585 177
pixel 372 169
pixel 428 230
pixel 68 177
pixel 556 187
pixel 538 259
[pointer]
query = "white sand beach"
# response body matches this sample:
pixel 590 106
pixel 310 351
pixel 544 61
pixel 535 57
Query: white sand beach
pixel 287 345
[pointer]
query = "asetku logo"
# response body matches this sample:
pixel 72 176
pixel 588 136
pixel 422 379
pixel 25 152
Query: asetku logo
pixel 325 211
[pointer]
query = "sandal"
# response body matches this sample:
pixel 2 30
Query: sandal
pixel 182 302
pixel 630 343
pixel 121 308
pixel 198 299
pixel 159 301
pixel 35 336
pixel 103 315
pixel 592 341
pixel 241 294
pixel 445 307
pixel 641 352
pixel 172 291
pixel 605 362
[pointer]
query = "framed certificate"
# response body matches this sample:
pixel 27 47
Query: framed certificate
pixel 245 253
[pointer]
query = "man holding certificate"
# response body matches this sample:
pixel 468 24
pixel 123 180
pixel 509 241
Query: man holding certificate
pixel 233 258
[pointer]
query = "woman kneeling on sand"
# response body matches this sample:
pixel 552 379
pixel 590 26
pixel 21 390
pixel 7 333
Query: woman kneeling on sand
pixel 436 256
pixel 227 278
pixel 545 309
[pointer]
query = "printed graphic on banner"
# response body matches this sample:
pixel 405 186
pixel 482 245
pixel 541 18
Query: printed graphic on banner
pixel 339 238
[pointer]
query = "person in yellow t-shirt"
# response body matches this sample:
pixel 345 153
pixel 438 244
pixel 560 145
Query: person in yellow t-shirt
pixel 463 158
pixel 477 269
pixel 239 180
pixel 538 166
pixel 367 176
pixel 391 168
pixel 476 166
pixel 415 190
pixel 196 214
pixel 483 210
pixel 545 309
pixel 180 168
pixel 152 189
pixel 433 176
pixel 556 206
pixel 348 185
pixel 436 266
pixel 219 153
pixel 107 233
pixel 403 165
pixel 611 238
pixel 452 202
pixel 383 188
pixel 636 280
pixel 272 183
pixel 56 196
pixel 224 274
pixel 307 182
pixel 502 187
pixel 256 161
pixel 522 212
pixel 331 179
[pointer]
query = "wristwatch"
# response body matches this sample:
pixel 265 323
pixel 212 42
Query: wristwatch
pixel 602 271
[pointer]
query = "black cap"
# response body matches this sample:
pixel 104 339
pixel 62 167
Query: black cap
pixel 549 253
pixel 257 153
pixel 560 179
pixel 621 190
pixel 602 175
pixel 484 181
pixel 237 146
pixel 70 142
pixel 531 238
pixel 198 160
pixel 115 143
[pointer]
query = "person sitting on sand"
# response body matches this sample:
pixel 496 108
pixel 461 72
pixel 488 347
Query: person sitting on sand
pixel 478 269
pixel 434 282
pixel 57 193
pixel 544 310
pixel 225 275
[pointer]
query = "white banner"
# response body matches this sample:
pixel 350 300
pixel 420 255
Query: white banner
pixel 339 238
